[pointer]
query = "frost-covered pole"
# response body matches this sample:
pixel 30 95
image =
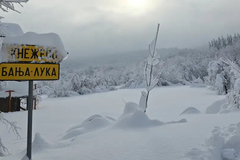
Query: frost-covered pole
pixel 151 82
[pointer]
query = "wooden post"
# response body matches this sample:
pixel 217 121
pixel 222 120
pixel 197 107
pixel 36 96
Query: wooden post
pixel 9 102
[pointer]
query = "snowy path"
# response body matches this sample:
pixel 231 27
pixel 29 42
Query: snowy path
pixel 56 116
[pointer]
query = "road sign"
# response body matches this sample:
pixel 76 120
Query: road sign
pixel 31 71
pixel 31 53
pixel 30 57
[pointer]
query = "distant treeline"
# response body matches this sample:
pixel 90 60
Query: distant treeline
pixel 223 42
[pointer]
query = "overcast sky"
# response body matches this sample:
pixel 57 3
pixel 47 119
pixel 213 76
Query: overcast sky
pixel 91 27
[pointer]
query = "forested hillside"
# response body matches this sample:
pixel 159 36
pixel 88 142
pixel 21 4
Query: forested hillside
pixel 177 66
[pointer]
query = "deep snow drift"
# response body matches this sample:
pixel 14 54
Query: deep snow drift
pixel 93 123
pixel 215 107
pixel 115 132
pixel 133 117
pixel 221 107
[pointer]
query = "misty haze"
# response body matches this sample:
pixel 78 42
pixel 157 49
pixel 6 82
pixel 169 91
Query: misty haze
pixel 120 80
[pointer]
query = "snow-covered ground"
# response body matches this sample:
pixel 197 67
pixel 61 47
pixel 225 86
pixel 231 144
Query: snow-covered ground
pixel 65 129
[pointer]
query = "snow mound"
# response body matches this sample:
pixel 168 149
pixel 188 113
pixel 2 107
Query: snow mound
pixel 216 107
pixel 39 143
pixel 190 110
pixel 10 29
pixel 224 144
pixel 133 117
pixel 93 123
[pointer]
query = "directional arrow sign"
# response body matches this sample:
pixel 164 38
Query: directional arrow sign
pixel 31 71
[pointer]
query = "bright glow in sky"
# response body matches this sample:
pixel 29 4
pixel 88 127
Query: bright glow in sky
pixel 137 3
pixel 108 26
pixel 137 7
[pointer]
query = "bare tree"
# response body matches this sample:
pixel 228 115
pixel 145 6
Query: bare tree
pixel 9 4
pixel 150 79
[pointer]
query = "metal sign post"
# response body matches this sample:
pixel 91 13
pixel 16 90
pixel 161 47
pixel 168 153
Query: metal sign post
pixel 30 115
pixel 26 62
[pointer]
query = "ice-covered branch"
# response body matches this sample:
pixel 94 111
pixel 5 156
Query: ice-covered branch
pixel 3 149
pixel 9 4
pixel 234 67
pixel 12 125
pixel 151 81
pixel 12 128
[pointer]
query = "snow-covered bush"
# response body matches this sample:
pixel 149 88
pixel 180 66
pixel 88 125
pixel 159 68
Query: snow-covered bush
pixel 220 84
pixel 198 83
pixel 81 82
pixel 222 145
pixel 234 80
pixel 214 68
pixel 233 97
pixel 219 77
pixel 76 83
pixel 186 66
pixel 237 93
pixel 224 73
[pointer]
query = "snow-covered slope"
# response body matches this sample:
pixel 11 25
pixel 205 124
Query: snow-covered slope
pixel 113 140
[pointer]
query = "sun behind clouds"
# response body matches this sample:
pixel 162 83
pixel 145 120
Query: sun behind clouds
pixel 128 8
pixel 137 3
pixel 137 7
